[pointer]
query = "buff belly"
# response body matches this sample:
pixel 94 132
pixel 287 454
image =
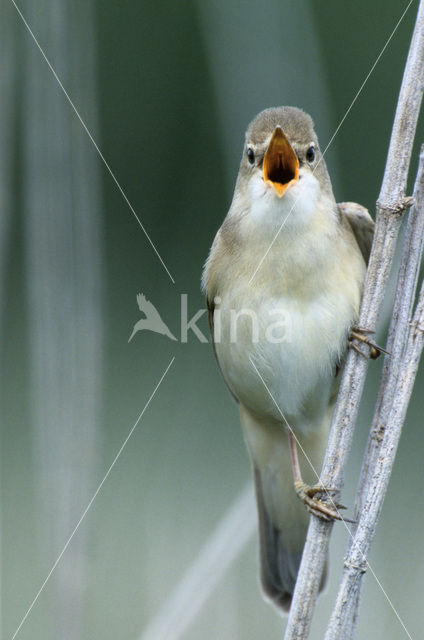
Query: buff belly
pixel 294 346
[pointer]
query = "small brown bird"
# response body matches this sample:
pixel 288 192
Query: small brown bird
pixel 283 283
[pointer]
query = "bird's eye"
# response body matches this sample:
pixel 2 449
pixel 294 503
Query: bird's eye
pixel 310 154
pixel 250 155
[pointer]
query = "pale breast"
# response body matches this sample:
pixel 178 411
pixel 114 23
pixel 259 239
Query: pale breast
pixel 293 342
pixel 285 306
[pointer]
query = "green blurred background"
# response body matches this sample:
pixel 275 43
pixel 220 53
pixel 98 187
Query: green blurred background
pixel 166 90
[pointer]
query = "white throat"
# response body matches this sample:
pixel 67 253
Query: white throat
pixel 294 209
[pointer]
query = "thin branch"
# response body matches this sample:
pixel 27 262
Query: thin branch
pixel 351 580
pixel 402 312
pixel 387 423
pixel 398 331
pixel 390 206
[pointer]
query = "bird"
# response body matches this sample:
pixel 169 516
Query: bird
pixel 286 249
pixel 152 320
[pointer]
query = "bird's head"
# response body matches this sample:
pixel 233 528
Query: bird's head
pixel 282 170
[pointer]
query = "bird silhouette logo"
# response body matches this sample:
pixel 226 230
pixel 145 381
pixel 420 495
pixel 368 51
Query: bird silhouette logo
pixel 152 320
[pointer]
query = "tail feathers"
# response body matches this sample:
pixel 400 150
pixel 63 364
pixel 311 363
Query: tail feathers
pixel 278 566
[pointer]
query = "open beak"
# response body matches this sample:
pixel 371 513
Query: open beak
pixel 281 164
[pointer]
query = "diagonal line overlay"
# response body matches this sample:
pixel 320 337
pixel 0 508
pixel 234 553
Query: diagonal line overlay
pixel 103 159
pixel 92 499
pixel 330 499
pixel 335 133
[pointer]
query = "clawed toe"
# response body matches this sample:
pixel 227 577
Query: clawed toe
pixel 359 334
pixel 307 494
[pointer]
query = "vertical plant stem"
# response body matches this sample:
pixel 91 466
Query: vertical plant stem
pixel 390 206
pixel 63 239
pixel 402 311
pixel 386 427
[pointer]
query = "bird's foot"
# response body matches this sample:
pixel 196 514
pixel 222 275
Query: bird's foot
pixel 308 493
pixel 357 333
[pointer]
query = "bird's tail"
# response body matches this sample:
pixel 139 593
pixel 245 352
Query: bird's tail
pixel 279 557
pixel 283 519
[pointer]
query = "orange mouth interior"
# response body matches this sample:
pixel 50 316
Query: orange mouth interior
pixel 281 164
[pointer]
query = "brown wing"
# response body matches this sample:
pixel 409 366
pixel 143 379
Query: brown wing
pixel 211 309
pixel 361 224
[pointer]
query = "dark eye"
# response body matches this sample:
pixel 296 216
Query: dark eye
pixel 310 154
pixel 250 155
